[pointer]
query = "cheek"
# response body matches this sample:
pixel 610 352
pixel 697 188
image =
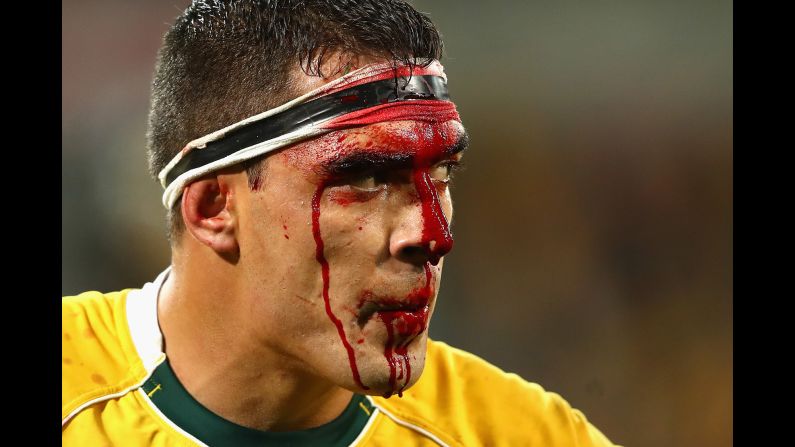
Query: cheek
pixel 351 230
pixel 276 242
pixel 277 224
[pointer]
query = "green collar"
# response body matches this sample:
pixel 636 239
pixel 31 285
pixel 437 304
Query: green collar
pixel 171 398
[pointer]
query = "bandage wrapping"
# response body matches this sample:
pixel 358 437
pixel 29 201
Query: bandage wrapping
pixel 375 93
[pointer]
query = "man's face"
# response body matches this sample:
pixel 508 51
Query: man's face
pixel 339 248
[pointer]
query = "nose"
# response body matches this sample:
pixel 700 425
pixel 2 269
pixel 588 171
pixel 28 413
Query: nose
pixel 408 245
pixel 423 231
pixel 414 251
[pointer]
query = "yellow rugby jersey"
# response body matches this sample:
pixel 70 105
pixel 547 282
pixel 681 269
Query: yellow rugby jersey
pixel 118 390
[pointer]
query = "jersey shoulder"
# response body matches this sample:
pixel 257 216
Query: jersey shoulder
pixel 99 359
pixel 464 400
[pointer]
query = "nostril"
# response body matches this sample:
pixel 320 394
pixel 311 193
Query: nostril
pixel 415 254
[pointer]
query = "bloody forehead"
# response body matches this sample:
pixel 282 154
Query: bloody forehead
pixel 383 145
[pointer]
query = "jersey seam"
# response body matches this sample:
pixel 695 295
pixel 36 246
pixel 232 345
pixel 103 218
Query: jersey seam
pixel 421 426
pixel 102 395
pixel 367 430
pixel 90 398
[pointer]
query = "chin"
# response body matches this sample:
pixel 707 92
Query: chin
pixel 387 372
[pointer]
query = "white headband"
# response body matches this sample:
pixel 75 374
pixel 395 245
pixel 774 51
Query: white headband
pixel 174 189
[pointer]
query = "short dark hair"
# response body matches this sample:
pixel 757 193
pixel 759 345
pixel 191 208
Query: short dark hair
pixel 223 61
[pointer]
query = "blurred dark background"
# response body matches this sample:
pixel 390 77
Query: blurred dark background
pixel 593 221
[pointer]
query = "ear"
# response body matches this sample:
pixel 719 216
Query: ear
pixel 207 210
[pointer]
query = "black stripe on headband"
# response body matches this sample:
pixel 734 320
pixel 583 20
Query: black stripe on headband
pixel 323 108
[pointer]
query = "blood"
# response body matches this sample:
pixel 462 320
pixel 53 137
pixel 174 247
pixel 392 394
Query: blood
pixel 408 325
pixel 345 198
pixel 390 359
pixel 321 259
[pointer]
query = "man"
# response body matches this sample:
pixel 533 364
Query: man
pixel 305 148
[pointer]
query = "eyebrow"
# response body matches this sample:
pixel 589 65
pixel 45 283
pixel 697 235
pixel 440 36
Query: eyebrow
pixel 459 146
pixel 365 161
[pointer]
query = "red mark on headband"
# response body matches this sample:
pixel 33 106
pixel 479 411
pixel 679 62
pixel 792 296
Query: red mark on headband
pixel 321 259
pixel 349 99
pixel 426 110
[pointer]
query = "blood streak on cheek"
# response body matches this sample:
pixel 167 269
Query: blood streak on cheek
pixel 321 259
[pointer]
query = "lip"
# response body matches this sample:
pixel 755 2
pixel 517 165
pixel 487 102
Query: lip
pixel 412 308
pixel 403 324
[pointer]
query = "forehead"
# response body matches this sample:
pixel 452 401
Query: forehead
pixel 396 139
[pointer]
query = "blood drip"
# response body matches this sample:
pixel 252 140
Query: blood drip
pixel 387 319
pixel 321 258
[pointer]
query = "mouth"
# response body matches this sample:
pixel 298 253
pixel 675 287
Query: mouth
pixel 410 312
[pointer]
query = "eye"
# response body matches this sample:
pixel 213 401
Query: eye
pixel 367 182
pixel 442 172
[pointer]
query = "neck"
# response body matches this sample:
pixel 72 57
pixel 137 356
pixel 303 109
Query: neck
pixel 224 369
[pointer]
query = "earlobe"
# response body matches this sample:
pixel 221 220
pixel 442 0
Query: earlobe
pixel 207 210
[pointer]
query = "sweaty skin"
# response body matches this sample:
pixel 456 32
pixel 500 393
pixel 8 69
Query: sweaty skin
pixel 247 310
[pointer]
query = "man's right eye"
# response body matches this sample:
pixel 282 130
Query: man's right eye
pixel 366 182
